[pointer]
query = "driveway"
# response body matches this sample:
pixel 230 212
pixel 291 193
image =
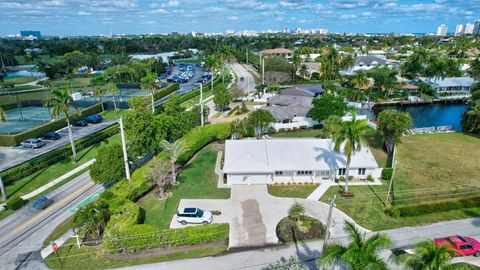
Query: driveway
pixel 253 214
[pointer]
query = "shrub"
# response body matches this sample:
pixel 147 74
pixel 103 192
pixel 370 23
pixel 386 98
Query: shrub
pixel 387 173
pixel 370 178
pixel 288 230
pixel 15 203
pixel 232 110
pixel 281 130
pixel 166 91
pixel 109 165
pixel 433 207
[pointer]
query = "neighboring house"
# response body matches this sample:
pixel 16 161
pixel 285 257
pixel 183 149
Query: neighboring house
pixel 311 68
pixel 290 108
pixel 292 161
pixel 378 53
pixel 366 62
pixel 452 86
pixel 285 53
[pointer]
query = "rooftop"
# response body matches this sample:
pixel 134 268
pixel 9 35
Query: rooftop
pixel 276 51
pixel 369 60
pixel 452 81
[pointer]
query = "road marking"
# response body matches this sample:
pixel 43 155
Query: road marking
pixel 85 201
pixel 53 207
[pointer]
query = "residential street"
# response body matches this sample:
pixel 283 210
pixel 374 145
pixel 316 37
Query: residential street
pixel 248 82
pixel 22 233
pixel 309 251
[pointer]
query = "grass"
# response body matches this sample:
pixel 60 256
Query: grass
pixel 25 87
pixel 44 58
pixel 76 83
pixel 291 191
pixel 113 115
pixel 60 230
pixel 189 61
pixel 197 181
pixel 42 177
pixel 20 79
pixel 93 257
pixel 195 100
pixel 311 133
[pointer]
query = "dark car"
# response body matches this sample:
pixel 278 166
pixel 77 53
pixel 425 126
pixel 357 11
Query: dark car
pixel 51 136
pixel 32 143
pixel 80 123
pixel 94 119
pixel 42 203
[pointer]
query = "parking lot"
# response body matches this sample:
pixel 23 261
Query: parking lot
pixel 190 85
pixel 13 156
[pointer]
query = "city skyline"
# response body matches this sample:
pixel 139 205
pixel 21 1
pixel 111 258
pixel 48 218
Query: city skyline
pixel 75 17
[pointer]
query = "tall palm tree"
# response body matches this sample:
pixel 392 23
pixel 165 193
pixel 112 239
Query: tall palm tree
pixel 303 72
pixel 173 150
pixel 91 219
pixel 360 80
pixel 61 103
pixel 429 256
pixel 238 129
pixel 99 92
pixel 148 83
pixel 361 253
pixel 474 70
pixel 3 115
pixel 349 137
pixel 296 60
pixel 112 89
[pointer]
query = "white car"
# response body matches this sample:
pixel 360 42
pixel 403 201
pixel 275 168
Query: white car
pixel 194 215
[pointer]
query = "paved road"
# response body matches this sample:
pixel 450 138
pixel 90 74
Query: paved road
pixel 248 82
pixel 22 233
pixel 13 156
pixel 256 259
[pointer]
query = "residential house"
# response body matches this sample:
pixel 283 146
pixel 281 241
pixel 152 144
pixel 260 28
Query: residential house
pixel 271 161
pixel 311 68
pixel 366 62
pixel 285 53
pixel 452 86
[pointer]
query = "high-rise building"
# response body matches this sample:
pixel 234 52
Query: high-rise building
pixel 476 28
pixel 460 30
pixel 469 28
pixel 29 33
pixel 442 30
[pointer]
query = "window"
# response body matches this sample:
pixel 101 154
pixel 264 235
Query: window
pixel 361 171
pixel 342 171
pixel 279 173
pixel 304 172
pixel 324 173
pixel 465 247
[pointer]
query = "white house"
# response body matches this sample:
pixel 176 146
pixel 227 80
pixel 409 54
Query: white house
pixel 452 86
pixel 272 161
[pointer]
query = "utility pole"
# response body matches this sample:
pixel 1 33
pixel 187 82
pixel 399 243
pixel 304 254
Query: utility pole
pixel 390 186
pixel 2 188
pixel 247 56
pixel 329 220
pixel 201 103
pixel 124 147
pixel 263 71
pixel 211 81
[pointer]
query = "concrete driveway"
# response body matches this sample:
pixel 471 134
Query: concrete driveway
pixel 253 214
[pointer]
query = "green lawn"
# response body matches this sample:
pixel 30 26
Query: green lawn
pixel 113 115
pixel 76 83
pixel 291 191
pixel 189 61
pixel 196 99
pixel 60 230
pixel 311 133
pixel 197 181
pixel 20 79
pixel 25 87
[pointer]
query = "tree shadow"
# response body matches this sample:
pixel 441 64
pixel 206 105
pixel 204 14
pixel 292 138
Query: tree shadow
pixel 29 181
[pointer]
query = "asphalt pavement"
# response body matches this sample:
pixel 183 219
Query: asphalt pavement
pixel 13 156
pixel 23 232
pixel 247 85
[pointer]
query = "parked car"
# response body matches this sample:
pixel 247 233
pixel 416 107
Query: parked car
pixel 42 203
pixel 462 245
pixel 80 123
pixel 94 119
pixel 32 143
pixel 194 215
pixel 52 136
pixel 241 78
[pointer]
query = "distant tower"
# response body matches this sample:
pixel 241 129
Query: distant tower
pixel 442 30
pixel 111 35
pixel 460 30
pixel 476 28
pixel 469 29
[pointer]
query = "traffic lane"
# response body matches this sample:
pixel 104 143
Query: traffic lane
pixel 13 156
pixel 247 85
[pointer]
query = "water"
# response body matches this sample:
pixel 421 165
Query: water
pixel 24 73
pixel 433 115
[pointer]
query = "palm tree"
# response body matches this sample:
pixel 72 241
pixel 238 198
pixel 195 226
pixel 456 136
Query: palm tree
pixel 29 58
pixel 350 136
pixel 471 119
pixel 112 89
pixel 474 70
pixel 61 103
pixel 148 83
pixel 91 219
pixel 99 92
pixel 173 150
pixel 429 256
pixel 361 253
pixel 303 72
pixel 296 211
pixel 296 60
pixel 238 129
pixel 3 115
pixel 360 80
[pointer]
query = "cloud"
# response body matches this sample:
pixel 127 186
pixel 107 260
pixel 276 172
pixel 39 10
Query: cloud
pixel 159 11
pixel 83 13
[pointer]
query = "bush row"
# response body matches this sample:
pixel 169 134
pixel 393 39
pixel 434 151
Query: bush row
pixel 196 92
pixel 434 207
pixel 141 236
pixel 25 169
pixel 166 91
pixel 16 139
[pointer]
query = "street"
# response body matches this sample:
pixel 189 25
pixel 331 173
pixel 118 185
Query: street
pixel 247 85
pixel 22 233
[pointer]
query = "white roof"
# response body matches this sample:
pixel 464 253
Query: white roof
pixel 270 155
pixel 453 81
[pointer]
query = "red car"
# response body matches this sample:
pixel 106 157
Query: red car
pixel 462 245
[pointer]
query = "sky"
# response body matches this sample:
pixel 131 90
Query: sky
pixel 97 17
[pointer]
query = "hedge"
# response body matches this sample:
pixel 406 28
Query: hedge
pixel 15 203
pixel 434 207
pixel 57 155
pixel 141 236
pixel 166 91
pixel 16 139
pixel 387 173
pixel 196 92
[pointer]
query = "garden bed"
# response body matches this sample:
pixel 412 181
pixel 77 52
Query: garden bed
pixel 289 230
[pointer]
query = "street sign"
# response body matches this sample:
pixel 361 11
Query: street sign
pixel 85 202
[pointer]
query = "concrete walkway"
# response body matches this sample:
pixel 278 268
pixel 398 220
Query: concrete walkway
pixel 325 185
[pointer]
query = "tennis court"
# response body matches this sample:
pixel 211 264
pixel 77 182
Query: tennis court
pixel 21 119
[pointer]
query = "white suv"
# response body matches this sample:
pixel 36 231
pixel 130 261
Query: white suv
pixel 194 215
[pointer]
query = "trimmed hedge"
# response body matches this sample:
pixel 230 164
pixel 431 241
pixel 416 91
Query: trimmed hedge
pixel 141 236
pixel 16 139
pixel 52 157
pixel 387 173
pixel 166 91
pixel 16 203
pixel 196 92
pixel 434 207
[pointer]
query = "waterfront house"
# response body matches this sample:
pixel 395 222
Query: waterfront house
pixel 452 86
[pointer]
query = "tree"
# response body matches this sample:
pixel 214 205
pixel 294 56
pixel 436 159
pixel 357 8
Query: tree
pixel 157 174
pixel 426 89
pixel 303 72
pixel 327 105
pixel 392 125
pixel 112 89
pixel 296 211
pixel 260 120
pixel 3 115
pixel 221 97
pixel 61 103
pixel 360 80
pixel 173 150
pixel 291 263
pixel 360 253
pixel 148 83
pixel 331 125
pixel 428 256
pixel 385 80
pixel 349 138
pixel 471 119
pixel 91 219
pixel 474 70
pixel 99 92
pixel 109 166
pixel 238 129
pixel 236 93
